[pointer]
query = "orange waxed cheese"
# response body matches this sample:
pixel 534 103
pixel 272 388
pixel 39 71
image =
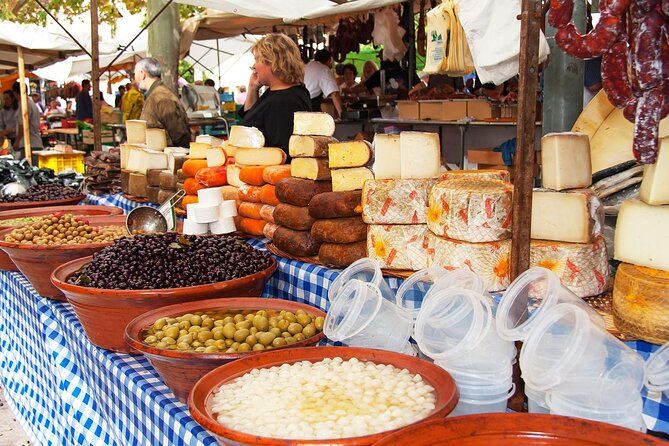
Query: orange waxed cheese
pixel 268 195
pixel 252 175
pixel 191 186
pixel 252 226
pixel 192 166
pixel 274 174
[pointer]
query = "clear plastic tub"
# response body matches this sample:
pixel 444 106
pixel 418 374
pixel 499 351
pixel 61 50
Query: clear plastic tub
pixel 452 322
pixel 565 349
pixel 365 270
pixel 492 403
pixel 657 370
pixel 528 298
pixel 627 415
pixel 493 357
pixel 360 317
pixel 536 400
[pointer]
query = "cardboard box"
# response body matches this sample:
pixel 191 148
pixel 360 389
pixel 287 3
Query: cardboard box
pixel 479 109
pixel 408 109
pixel 443 110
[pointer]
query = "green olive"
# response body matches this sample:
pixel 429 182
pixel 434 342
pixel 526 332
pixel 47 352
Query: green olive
pixel 161 345
pixel 151 339
pixel 266 338
pixel 273 321
pixel 285 334
pixel 299 337
pixel 209 342
pixel 279 342
pixel 318 323
pixel 260 322
pixel 241 334
pixel 183 346
pixel 197 344
pixel 290 317
pixel 251 340
pixel 258 347
pixel 294 328
pixel 217 332
pixel 276 331
pixel 211 349
pixel 282 324
pixel 168 341
pixel 159 324
pixel 194 329
pixel 183 332
pixel 228 342
pixel 303 319
pixel 159 334
pixel 185 339
pixel 201 349
pixel 184 325
pixel 221 344
pixel 204 335
pixel 253 330
pixel 219 323
pixel 229 330
pixel 235 345
pixel 244 324
pixel 290 341
pixel 207 323
pixel 238 318
pixel 229 320
pixel 231 350
pixel 244 348
pixel 196 320
pixel 309 330
pixel 172 332
pixel 249 316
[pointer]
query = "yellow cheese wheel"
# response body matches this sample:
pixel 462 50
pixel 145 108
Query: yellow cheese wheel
pixel 641 302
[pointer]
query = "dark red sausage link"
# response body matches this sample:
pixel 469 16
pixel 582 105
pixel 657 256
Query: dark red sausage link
pixel 646 53
pixel 645 6
pixel 614 7
pixel 614 74
pixel 593 44
pixel 560 13
pixel 630 109
pixel 665 7
pixel 646 126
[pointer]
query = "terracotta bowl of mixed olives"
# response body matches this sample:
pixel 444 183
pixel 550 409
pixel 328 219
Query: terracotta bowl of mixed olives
pixel 38 248
pixel 147 272
pixel 22 217
pixel 184 342
pixel 42 195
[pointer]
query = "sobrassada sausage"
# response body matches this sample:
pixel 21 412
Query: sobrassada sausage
pixel 342 255
pixel 299 243
pixel 336 204
pixel 293 217
pixel 340 230
pixel 299 192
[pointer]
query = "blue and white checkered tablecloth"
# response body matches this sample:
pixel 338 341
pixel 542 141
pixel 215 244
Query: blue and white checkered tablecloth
pixel 65 391
pixel 117 200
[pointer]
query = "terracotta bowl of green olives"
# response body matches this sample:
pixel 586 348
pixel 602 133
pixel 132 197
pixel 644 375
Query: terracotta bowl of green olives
pixel 184 342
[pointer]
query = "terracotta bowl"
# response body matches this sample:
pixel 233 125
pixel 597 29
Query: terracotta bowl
pixel 37 262
pixel 181 370
pixel 40 204
pixel 88 210
pixel 200 398
pixel 105 313
pixel 511 429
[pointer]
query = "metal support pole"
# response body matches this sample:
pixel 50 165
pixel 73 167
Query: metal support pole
pixel 95 84
pixel 24 105
pixel 410 40
pixel 218 63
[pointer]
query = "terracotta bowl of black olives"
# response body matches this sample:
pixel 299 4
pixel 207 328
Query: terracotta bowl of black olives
pixel 186 341
pixel 145 272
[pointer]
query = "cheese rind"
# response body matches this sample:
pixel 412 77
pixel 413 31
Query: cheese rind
pixel 168 180
pixel 571 216
pixel 153 177
pixel 565 161
pixel 483 174
pixel 471 210
pixel 156 139
pixel 641 235
pixel 310 168
pixel 397 201
pixel 198 150
pixel 202 213
pixel 349 154
pixel 350 179
pixel 193 228
pixel 655 184
pixel 387 157
pixel 242 136
pixel 266 156
pixel 420 154
pixel 137 185
pixel 489 260
pixel 313 123
pixel 309 146
pixel 136 131
pixel 210 196
pixel 398 246
pixel 581 267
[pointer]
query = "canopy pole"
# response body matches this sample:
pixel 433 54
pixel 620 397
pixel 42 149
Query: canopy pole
pixel 24 105
pixel 218 64
pixel 95 75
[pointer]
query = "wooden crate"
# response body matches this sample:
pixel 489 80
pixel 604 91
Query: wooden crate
pixel 443 110
pixel 408 109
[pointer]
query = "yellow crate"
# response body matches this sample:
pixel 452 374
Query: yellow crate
pixel 62 161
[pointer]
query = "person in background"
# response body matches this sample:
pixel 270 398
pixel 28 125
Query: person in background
pixel 9 117
pixel 210 83
pixel 55 108
pixel 119 97
pixel 103 103
pixel 38 102
pixel 133 102
pixel 240 97
pixel 396 81
pixel 162 108
pixel 217 97
pixel 321 83
pixel 350 72
pixel 368 69
pixel 84 102
pixel 278 66
pixel 33 129
pixel 339 73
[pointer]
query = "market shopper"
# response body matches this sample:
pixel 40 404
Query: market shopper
pixel 33 127
pixel 9 117
pixel 350 72
pixel 162 108
pixel 320 81
pixel 84 102
pixel 396 81
pixel 118 100
pixel 277 66
pixel 132 103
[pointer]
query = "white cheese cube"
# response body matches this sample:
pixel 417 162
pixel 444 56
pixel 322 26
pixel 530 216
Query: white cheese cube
pixel 228 209
pixel 210 196
pixel 565 161
pixel 193 228
pixel 202 213
pixel 156 139
pixel 135 131
pixel 655 184
pixel 241 136
pixel 642 235
pixel 223 226
pixel 420 154
pixel 387 158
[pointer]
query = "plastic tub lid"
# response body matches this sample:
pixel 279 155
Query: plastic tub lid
pixel 353 308
pixel 413 291
pixel 554 371
pixel 657 370
pixel 365 270
pixel 459 278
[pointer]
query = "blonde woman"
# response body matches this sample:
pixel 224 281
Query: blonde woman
pixel 279 67
pixel 368 69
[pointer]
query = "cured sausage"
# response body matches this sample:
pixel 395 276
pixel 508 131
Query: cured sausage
pixel 646 50
pixel 560 13
pixel 593 44
pixel 614 74
pixel 646 127
pixel 614 7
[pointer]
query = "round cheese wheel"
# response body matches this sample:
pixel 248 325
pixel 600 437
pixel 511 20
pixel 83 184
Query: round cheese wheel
pixel 641 303
pixel 471 210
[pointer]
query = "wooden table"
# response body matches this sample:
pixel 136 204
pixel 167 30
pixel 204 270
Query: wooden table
pixel 70 135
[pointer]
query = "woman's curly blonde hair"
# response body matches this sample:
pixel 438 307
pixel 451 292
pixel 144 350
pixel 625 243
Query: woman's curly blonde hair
pixel 283 56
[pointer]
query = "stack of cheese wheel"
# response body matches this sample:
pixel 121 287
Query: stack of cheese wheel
pixel 338 223
pixel 254 173
pixel 310 176
pixel 212 214
pixel 641 287
pixel 469 218
pixel 395 201
pixel 162 183
pixel 143 152
pixel 567 219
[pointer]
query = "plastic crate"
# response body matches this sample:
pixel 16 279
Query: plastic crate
pixel 61 161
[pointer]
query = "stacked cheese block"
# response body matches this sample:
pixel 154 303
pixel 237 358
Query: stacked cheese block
pixel 255 173
pixel 567 218
pixel 162 183
pixel 310 177
pixel 144 151
pixel 469 219
pixel 641 287
pixel 395 202
pixel 211 214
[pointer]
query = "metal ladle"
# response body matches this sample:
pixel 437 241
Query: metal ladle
pixel 145 219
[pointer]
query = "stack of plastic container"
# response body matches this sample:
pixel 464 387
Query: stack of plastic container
pixel 570 364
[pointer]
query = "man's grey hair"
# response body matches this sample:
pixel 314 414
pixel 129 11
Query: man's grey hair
pixel 151 66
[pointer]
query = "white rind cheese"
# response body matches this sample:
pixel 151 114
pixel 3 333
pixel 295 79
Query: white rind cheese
pixel 202 213
pixel 142 160
pixel 193 228
pixel 241 136
pixel 420 154
pixel 572 216
pixel 313 123
pixel 208 139
pixel 387 158
pixel 216 157
pixel 223 226
pixel 642 235
pixel 565 161
pixel 232 171
pixel 211 196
